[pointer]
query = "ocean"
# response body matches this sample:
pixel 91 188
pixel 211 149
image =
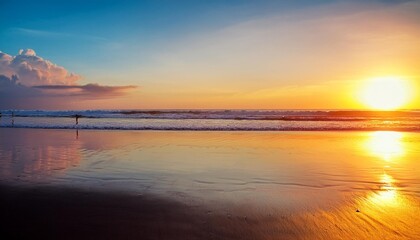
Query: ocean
pixel 217 120
pixel 210 174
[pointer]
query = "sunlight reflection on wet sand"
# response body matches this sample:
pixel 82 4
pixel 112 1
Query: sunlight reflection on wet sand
pixel 305 185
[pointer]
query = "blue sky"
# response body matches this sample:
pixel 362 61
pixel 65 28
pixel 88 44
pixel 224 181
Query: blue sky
pixel 87 35
pixel 219 54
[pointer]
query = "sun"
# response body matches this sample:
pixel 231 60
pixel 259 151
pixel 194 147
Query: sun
pixel 385 93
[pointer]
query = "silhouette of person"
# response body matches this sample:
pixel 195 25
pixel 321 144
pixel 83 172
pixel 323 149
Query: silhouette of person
pixel 77 119
pixel 13 118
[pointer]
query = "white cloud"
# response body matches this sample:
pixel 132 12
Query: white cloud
pixel 31 82
pixel 33 70
pixel 27 52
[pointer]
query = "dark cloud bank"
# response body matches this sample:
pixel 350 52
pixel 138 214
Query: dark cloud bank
pixel 29 81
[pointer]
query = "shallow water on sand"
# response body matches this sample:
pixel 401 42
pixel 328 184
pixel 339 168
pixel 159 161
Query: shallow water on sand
pixel 298 185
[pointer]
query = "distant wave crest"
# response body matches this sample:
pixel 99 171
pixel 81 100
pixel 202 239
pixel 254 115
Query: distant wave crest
pixel 284 115
pixel 215 120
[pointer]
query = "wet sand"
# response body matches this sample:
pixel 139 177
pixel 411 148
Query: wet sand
pixel 65 213
pixel 51 213
pixel 57 184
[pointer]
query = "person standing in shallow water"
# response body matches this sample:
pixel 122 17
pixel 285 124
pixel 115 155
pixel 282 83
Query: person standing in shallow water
pixel 77 119
pixel 13 118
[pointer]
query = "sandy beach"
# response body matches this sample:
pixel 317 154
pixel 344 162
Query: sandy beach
pixel 88 184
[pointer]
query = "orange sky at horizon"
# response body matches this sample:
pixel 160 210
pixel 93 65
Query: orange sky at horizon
pixel 323 62
pixel 332 95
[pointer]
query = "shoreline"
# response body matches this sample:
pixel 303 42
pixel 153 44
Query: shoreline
pixel 220 130
pixel 57 184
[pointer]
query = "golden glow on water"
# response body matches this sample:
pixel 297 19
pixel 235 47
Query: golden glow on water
pixel 386 145
pixel 316 185
pixel 387 179
pixel 387 195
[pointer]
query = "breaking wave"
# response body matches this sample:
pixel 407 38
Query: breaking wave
pixel 215 120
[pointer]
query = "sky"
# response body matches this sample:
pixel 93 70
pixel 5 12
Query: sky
pixel 204 54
